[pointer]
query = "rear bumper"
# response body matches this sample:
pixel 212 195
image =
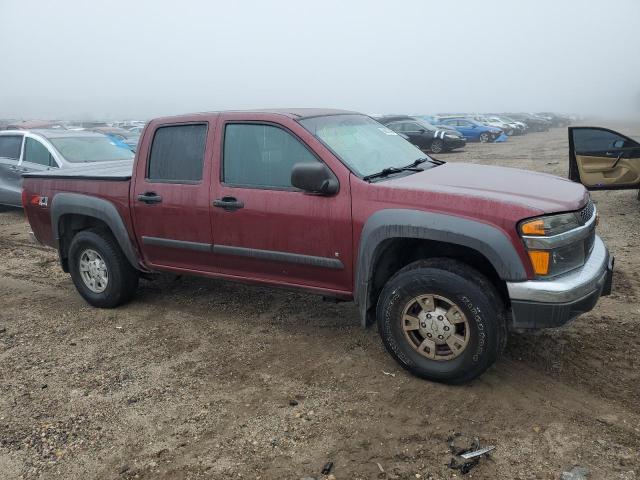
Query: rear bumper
pixel 553 303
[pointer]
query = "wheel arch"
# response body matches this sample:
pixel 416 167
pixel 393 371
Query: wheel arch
pixel 73 212
pixel 391 239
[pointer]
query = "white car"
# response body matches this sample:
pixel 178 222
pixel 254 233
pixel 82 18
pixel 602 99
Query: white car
pixel 23 151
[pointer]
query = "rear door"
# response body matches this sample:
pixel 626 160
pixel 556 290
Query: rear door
pixel 170 196
pixel 602 159
pixel 10 174
pixel 264 228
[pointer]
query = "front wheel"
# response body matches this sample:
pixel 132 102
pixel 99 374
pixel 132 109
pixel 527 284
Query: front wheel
pixel 442 321
pixel 485 137
pixel 437 146
pixel 101 273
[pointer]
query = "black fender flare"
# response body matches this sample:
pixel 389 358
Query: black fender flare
pixel 88 206
pixel 488 240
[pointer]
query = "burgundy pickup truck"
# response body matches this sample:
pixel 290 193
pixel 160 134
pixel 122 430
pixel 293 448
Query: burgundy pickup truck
pixel 445 257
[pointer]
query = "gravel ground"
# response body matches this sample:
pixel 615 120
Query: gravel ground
pixel 205 379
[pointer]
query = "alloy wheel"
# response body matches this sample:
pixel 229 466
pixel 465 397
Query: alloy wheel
pixel 435 327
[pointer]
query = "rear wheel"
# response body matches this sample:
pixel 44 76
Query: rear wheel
pixel 101 273
pixel 437 146
pixel 485 137
pixel 442 320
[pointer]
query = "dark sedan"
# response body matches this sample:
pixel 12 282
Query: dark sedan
pixel 424 135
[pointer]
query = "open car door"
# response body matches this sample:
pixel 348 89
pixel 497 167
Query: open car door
pixel 602 159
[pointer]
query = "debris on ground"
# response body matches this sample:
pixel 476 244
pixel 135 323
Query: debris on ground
pixel 389 373
pixel 466 454
pixel 477 453
pixel 576 473
pixel 326 470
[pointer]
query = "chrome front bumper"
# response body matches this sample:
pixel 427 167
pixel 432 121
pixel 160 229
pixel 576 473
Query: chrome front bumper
pixel 554 302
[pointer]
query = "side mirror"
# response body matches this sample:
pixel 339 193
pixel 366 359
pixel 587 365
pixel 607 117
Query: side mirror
pixel 314 178
pixel 618 144
pixel 421 131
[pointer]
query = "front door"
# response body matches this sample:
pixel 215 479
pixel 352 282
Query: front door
pixel 602 159
pixel 36 157
pixel 418 135
pixel 265 229
pixel 170 197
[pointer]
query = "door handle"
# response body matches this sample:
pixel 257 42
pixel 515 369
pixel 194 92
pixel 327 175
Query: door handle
pixel 228 203
pixel 149 197
pixel 618 158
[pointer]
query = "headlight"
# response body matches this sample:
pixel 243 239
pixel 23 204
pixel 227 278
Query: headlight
pixel 551 225
pixel 557 244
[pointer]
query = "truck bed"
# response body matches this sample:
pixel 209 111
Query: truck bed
pixel 120 170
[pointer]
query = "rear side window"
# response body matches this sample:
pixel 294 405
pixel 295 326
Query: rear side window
pixel 36 152
pixel 261 156
pixel 177 153
pixel 10 146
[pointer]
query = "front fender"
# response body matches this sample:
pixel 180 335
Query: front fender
pixel 489 241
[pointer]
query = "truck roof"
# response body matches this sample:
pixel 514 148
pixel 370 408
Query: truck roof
pixel 296 113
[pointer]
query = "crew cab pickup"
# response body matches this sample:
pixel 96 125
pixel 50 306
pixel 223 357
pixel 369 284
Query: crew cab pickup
pixel 445 257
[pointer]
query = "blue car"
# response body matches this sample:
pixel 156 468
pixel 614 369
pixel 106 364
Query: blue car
pixel 473 131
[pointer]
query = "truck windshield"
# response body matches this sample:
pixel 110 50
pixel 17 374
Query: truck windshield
pixel 91 149
pixel 364 145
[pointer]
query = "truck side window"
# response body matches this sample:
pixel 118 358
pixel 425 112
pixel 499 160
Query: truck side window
pixel 177 153
pixel 261 155
pixel 36 152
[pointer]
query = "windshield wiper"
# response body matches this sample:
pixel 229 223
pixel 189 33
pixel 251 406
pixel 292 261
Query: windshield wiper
pixel 412 167
pixel 391 170
pixel 435 161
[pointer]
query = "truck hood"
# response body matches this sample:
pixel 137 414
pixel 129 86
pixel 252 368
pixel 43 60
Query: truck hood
pixel 540 191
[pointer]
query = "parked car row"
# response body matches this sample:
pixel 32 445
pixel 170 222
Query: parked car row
pixel 509 123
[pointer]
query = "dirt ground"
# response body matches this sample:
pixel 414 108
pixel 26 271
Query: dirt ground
pixel 206 379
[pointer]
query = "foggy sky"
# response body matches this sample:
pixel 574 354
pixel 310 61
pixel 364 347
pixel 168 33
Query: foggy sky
pixel 139 59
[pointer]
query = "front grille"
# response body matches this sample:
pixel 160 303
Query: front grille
pixel 587 212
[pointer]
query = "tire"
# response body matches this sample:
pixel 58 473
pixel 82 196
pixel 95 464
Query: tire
pixel 472 295
pixel 484 137
pixel 437 146
pixel 98 247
